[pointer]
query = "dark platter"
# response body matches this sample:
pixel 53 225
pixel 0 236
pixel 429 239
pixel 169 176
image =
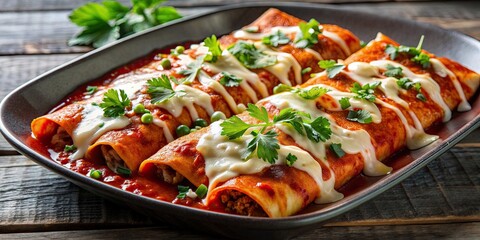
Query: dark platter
pixel 41 94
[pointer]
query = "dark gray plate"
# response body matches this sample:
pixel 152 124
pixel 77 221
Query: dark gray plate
pixel 39 95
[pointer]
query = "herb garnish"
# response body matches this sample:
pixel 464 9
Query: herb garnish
pixel 192 70
pixel 69 148
pixel 105 22
pixel 308 34
pixel 407 84
pixel 275 39
pixel 214 50
pixel 309 94
pixel 306 70
pixel 91 90
pixel 160 89
pixel 345 103
pixel 361 116
pixel 250 56
pixel 291 159
pixel 337 149
pixel 114 103
pixel 182 191
pixel 230 80
pixel 331 67
pixel 366 91
pixel 392 71
pixel 416 52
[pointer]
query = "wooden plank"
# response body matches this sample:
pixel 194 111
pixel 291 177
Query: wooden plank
pixel 437 231
pixel 447 190
pixel 47 32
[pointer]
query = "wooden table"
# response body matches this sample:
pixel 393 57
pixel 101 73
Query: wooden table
pixel 442 200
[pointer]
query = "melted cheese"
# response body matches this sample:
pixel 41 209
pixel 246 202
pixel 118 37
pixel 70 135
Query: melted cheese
pixel 166 131
pixel 92 126
pixel 207 81
pixel 338 40
pixel 285 62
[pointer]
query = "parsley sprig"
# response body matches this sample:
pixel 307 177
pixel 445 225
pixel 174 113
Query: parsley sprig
pixel 392 71
pixel 406 83
pixel 160 89
pixel 192 70
pixel 114 103
pixel 230 80
pixel 361 116
pixel 415 52
pixel 214 50
pixel 331 67
pixel 308 34
pixel 366 91
pixel 308 94
pixel 264 143
pixel 276 39
pixel 105 22
pixel 250 56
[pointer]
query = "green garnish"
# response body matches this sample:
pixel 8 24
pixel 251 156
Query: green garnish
pixel 309 94
pixel 124 171
pixel 250 56
pixel 366 91
pixel 392 71
pixel 361 116
pixel 308 34
pixel 363 44
pixel 96 174
pixel 214 50
pixel 407 84
pixel 106 22
pixel 146 118
pixel 337 149
pixel 331 67
pixel 182 130
pixel 345 103
pixel 230 80
pixel 182 191
pixel 201 191
pixel 265 145
pixel 101 124
pixel 306 70
pixel 251 29
pixel 281 88
pixel 416 52
pixel 69 148
pixel 275 39
pixel 192 70
pixel 291 159
pixel 91 90
pixel 160 89
pixel 114 103
pixel 200 122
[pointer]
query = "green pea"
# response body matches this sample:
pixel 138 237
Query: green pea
pixel 200 122
pixel 139 108
pixel 95 174
pixel 217 116
pixel 147 118
pixel 166 64
pixel 179 49
pixel 182 130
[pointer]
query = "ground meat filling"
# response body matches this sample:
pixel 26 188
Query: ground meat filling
pixel 112 159
pixel 239 203
pixel 60 139
pixel 168 175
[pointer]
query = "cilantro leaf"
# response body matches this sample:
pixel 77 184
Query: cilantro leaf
pixel 275 39
pixel 306 70
pixel 421 97
pixel 91 90
pixel 392 71
pixel 422 59
pixel 318 130
pixel 292 117
pixel 281 88
pixel 366 91
pixel 291 159
pixel 337 149
pixel 114 103
pixel 344 103
pixel 416 52
pixel 160 89
pixel 265 146
pixel 214 50
pixel 331 68
pixel 192 70
pixel 182 191
pixel 258 113
pixel 312 93
pixel 361 116
pixel 230 80
pixel 234 127
pixel 308 34
pixel 250 56
pixel 392 51
pixel 70 148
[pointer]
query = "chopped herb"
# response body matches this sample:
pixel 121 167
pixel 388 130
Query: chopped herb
pixel 422 59
pixel 101 125
pixel 124 171
pixel 361 116
pixel 291 159
pixel 91 90
pixel 337 149
pixel 407 84
pixel 308 34
pixel 275 39
pixel 114 103
pixel 69 148
pixel 182 191
pixel 416 52
pixel 392 71
pixel 230 80
pixel 214 50
pixel 345 103
pixel 251 29
pixel 306 70
pixel 250 56
pixel 192 70
pixel 331 67
pixel 311 93
pixel 96 174
pixel 363 44
pixel 421 97
pixel 160 89
pixel 366 91
pixel 201 191
pixel 281 88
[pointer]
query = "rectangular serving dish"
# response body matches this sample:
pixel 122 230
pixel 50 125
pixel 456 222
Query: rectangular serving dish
pixel 41 94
